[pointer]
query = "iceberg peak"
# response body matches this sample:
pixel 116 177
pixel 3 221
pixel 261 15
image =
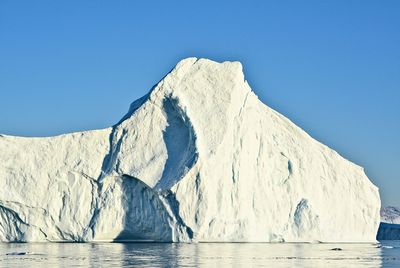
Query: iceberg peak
pixel 191 70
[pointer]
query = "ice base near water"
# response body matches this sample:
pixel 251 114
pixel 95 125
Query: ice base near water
pixel 198 159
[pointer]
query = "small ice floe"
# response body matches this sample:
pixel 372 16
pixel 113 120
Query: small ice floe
pixel 19 253
pixel 336 249
pixel 380 246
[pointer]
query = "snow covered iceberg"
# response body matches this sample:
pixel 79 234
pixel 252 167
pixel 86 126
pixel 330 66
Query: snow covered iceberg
pixel 199 158
pixel 389 229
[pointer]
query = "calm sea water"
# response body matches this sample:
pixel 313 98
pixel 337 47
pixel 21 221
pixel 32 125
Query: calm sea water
pixel 385 254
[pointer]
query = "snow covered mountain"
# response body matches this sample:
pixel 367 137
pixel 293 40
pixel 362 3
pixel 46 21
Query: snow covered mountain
pixel 199 158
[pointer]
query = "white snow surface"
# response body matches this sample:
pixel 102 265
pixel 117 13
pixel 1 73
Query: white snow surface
pixel 198 159
pixel 390 215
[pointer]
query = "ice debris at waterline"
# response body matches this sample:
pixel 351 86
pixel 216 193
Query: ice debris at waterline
pixel 199 158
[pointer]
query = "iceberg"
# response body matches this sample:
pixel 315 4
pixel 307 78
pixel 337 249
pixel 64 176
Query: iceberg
pixel 390 215
pixel 389 228
pixel 198 159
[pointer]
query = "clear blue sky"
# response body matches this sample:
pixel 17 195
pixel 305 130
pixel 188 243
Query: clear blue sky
pixel 332 67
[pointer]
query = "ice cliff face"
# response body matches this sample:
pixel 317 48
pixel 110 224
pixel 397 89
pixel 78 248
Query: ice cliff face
pixel 199 158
